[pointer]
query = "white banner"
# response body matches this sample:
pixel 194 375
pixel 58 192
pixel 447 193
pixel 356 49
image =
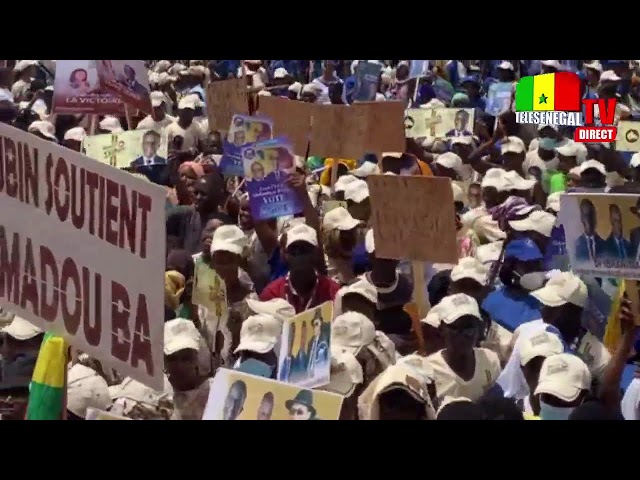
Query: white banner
pixel 82 252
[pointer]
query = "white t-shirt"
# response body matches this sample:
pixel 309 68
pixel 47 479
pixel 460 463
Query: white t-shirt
pixel 148 123
pixel 191 135
pixel 449 384
pixel 631 401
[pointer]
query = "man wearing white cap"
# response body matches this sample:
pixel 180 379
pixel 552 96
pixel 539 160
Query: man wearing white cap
pixel 109 124
pixel 339 230
pixel 341 185
pixel 533 352
pixel 185 128
pixel 461 369
pixel 258 337
pixel 158 120
pixel 44 130
pixel 358 204
pixel 191 390
pixel 74 137
pixel 294 91
pixel 24 70
pixel 360 296
pixel 563 385
pixel 304 287
pixel 593 177
pixel 85 389
pixel 346 379
pixel 593 71
pixel 328 79
pixel 447 165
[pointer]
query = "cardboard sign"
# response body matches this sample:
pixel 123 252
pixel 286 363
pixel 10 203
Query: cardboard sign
pixel 628 139
pixel 291 119
pixel 342 131
pixel 225 99
pixel 602 234
pixel 305 348
pixel 77 90
pixel 126 149
pixel 240 396
pixel 82 249
pixel 413 218
pixel 128 79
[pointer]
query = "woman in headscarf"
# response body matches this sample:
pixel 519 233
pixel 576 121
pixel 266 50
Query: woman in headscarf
pixel 188 174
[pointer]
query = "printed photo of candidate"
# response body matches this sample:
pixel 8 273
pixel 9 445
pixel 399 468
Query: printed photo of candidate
pixel 236 395
pixel 257 130
pixel 462 123
pixel 258 171
pixel 589 245
pixel 280 157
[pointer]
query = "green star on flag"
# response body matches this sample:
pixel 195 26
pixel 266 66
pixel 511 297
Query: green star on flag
pixel 542 99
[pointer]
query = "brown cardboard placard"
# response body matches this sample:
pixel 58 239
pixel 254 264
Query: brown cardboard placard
pixel 342 131
pixel 290 118
pixel 224 100
pixel 413 218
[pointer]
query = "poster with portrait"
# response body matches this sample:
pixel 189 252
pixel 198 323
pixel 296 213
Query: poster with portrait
pixel 305 348
pixel 602 233
pixel 244 131
pixel 499 98
pixel 440 123
pixel 628 137
pixel 266 168
pixel 133 148
pixel 418 68
pixel 77 89
pixel 241 396
pixel 128 79
pixel 367 78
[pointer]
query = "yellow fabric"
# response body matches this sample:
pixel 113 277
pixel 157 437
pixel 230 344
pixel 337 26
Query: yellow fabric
pixel 425 170
pixel 544 85
pixel 613 330
pixel 325 176
pixel 174 284
pixel 528 416
pixel 52 361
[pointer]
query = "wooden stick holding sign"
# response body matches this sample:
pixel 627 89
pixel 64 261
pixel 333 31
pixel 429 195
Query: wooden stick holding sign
pixel 127 114
pixel 631 289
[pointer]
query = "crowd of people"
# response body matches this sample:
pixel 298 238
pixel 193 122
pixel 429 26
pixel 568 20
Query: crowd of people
pixel 507 334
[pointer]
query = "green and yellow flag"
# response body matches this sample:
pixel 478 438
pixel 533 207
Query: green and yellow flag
pixel 47 388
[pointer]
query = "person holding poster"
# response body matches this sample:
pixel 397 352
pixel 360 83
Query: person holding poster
pixel 266 169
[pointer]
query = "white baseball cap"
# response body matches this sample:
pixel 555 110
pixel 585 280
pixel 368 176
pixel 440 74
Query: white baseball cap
pixel 157 98
pixel 537 221
pixel 490 252
pixel 458 305
pixel 434 317
pixel 20 329
pixel 494 177
pixel 463 139
pixel 278 308
pixel 517 182
pixel 259 334
pixel 592 164
pixel 346 373
pixel 543 344
pixel 369 243
pixel 45 128
pixel 301 233
pixel 450 160
pixel 187 102
pixel 180 334
pixel 565 287
pixel 343 181
pixel 280 73
pixel 77 134
pixel 545 125
pixel 421 366
pixel 512 144
pixel 229 238
pixel 564 376
pixel 569 149
pixel 356 191
pixel 553 201
pixel 506 66
pixel 111 124
pixel 366 169
pixel 595 65
pixel 352 331
pixel 86 389
pixel 609 76
pixel 635 160
pixel 470 267
pixel 339 219
pixel 24 64
pixel 552 63
pixel 362 287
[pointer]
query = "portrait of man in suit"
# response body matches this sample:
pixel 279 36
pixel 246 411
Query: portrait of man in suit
pixel 288 363
pixel 150 164
pixel 129 80
pixel 460 125
pixel 634 234
pixel 589 245
pixel 234 402
pixel 616 245
pixel 302 358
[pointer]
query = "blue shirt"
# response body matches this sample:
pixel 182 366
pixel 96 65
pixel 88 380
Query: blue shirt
pixel 278 266
pixel 510 308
